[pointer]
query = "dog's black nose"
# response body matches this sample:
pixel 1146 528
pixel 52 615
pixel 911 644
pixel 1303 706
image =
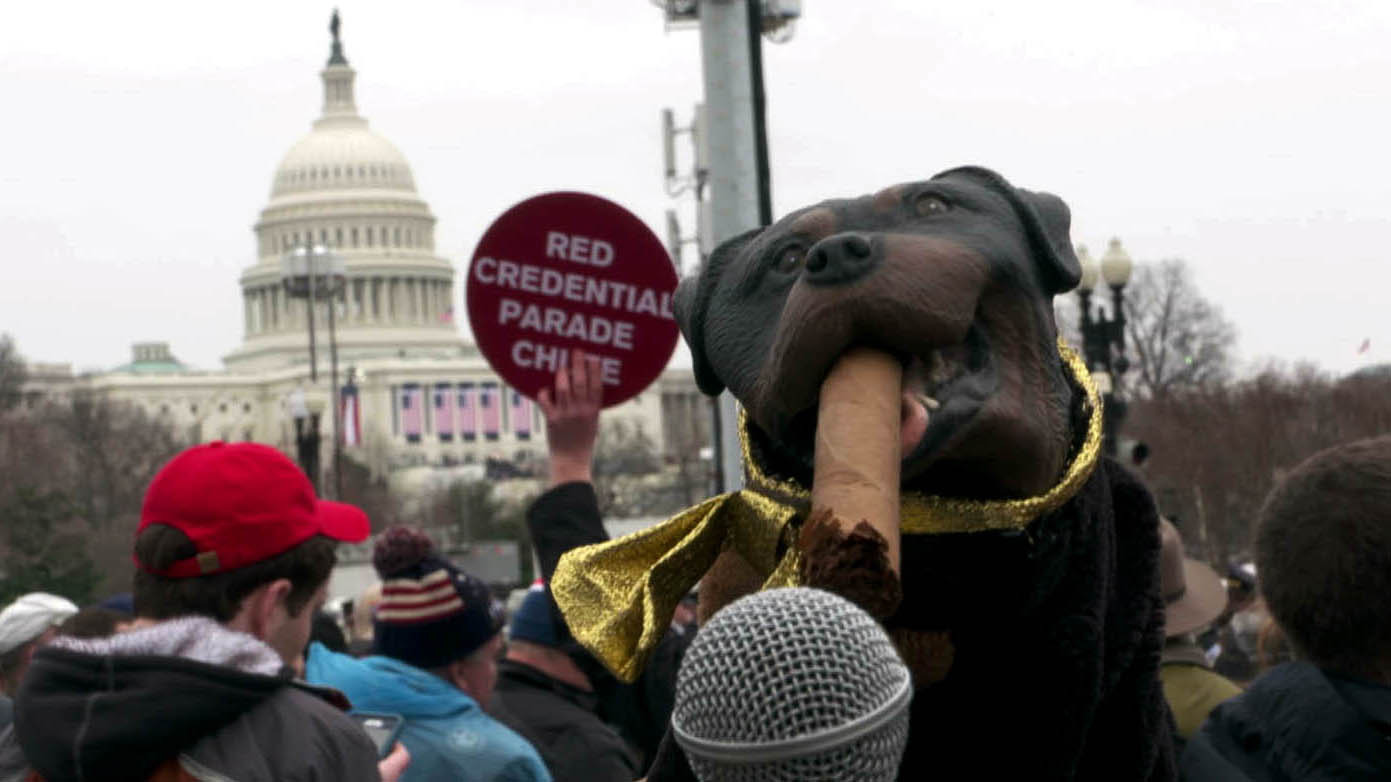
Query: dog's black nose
pixel 839 259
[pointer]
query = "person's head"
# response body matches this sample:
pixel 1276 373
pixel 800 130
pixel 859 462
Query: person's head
pixel 235 533
pixel 26 624
pixel 95 622
pixel 534 638
pixel 1323 551
pixel 434 616
pixel 1193 592
pixel 685 613
pixel 364 608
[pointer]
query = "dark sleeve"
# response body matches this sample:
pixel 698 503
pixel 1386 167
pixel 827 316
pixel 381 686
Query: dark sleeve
pixel 1134 720
pixel 564 517
pixel 671 764
pixel 1211 756
pixel 658 681
pixel 294 735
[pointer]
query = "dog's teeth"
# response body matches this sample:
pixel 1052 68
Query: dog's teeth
pixel 929 402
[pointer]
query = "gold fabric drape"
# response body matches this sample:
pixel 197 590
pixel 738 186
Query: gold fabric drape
pixel 618 597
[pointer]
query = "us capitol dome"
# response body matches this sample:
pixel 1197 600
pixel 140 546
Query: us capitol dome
pixel 427 405
pixel 347 189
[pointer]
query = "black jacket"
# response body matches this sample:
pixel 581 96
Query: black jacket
pixel 1296 723
pixel 118 708
pixel 560 721
pixel 565 517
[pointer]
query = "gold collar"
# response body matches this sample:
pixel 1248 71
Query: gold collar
pixel 618 596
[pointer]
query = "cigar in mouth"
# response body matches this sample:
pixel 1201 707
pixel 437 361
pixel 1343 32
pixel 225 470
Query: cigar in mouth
pixel 851 542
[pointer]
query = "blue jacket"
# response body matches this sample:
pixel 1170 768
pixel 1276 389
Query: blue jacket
pixel 1296 722
pixel 448 735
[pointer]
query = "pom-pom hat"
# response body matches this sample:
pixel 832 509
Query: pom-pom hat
pixel 431 613
pixel 240 504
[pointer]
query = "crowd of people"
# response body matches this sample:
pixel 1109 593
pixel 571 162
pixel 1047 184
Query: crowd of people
pixel 221 665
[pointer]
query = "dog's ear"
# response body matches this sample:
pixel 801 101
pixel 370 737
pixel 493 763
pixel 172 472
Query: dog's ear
pixel 692 301
pixel 1047 220
pixel 1050 228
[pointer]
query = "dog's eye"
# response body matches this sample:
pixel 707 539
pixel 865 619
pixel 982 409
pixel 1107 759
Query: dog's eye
pixel 929 204
pixel 790 259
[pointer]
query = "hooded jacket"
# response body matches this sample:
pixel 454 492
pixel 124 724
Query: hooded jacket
pixel 185 699
pixel 1296 722
pixel 449 736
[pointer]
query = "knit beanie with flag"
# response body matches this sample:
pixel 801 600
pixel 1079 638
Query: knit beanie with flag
pixel 431 613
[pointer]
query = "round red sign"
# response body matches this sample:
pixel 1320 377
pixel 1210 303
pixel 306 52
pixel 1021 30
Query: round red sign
pixel 566 271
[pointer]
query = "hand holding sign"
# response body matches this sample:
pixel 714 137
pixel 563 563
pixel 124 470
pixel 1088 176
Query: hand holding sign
pixel 572 418
pixel 569 271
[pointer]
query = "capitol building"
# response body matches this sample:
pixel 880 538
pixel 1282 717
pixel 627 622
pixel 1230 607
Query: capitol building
pixel 428 400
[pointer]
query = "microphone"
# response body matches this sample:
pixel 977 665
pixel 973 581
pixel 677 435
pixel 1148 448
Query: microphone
pixel 792 684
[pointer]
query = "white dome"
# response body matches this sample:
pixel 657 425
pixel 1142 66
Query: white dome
pixel 342 156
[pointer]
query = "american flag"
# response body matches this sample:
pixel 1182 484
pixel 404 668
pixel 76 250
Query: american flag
pixel 468 417
pixel 444 411
pixel 410 412
pixel 521 415
pixel 492 411
pixel 350 416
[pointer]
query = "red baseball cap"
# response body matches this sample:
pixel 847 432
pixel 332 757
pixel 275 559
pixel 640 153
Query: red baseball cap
pixel 241 503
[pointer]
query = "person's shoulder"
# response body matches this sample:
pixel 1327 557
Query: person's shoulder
pixel 297 733
pixel 514 752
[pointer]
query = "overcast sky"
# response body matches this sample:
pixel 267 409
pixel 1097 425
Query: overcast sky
pixel 138 139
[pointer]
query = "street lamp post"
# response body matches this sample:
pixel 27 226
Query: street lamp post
pixel 314 274
pixel 1103 335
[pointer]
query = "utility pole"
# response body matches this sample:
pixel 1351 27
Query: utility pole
pixel 736 150
pixel 724 56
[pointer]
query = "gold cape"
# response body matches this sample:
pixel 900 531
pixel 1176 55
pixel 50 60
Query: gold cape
pixel 618 597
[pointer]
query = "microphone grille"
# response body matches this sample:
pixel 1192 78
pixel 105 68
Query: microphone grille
pixel 793 683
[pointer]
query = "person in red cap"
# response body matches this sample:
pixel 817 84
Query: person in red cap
pixel 233 555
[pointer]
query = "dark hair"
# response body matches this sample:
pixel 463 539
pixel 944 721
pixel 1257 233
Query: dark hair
pixel 92 622
pixel 11 663
pixel 219 596
pixel 1323 554
pixel 326 631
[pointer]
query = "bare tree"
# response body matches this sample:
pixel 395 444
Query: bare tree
pixel 12 373
pixel 92 458
pixel 1218 451
pixel 1178 338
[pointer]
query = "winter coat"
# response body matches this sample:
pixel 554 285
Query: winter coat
pixel 1191 687
pixel 560 720
pixel 1296 722
pixel 179 700
pixel 448 735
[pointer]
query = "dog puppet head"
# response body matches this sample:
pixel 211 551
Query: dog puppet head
pixel 954 275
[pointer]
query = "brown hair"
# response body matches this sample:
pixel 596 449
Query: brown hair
pixel 1323 553
pixel 219 596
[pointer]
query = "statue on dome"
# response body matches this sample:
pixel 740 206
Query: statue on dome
pixel 336 56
